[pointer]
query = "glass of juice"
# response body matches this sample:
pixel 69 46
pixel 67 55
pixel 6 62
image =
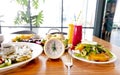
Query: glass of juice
pixel 70 33
pixel 77 35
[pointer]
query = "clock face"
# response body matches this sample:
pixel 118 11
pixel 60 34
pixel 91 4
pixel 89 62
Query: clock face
pixel 54 48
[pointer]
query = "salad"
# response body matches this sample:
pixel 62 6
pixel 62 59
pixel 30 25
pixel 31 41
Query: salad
pixel 92 52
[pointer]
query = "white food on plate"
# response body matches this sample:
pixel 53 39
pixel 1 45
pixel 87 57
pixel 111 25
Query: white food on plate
pixel 18 52
pixel 89 42
pixel 7 48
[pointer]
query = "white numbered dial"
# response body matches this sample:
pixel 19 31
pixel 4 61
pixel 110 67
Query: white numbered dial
pixel 54 48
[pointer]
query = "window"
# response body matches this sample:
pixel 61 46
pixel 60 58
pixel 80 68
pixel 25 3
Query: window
pixel 52 10
pixel 117 16
pixel 86 8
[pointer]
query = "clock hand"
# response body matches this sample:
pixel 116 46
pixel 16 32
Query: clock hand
pixel 54 46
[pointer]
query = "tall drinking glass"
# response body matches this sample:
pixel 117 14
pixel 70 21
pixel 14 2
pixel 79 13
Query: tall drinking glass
pixel 70 33
pixel 77 35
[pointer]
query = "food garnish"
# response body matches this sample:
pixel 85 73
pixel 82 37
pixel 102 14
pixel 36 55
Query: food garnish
pixel 22 37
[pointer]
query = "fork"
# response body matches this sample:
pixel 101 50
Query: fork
pixel 68 62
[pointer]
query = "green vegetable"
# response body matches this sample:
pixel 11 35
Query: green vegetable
pixel 109 53
pixel 18 39
pixel 2 65
pixel 78 55
pixel 83 53
pixel 6 63
pixel 65 42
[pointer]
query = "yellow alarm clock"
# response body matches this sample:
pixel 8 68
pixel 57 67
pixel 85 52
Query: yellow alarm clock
pixel 54 48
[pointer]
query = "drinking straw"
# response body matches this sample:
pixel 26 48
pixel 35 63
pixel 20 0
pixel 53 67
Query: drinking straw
pixel 78 16
pixel 75 17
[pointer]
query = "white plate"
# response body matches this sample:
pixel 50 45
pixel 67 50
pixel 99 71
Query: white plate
pixel 37 50
pixel 113 59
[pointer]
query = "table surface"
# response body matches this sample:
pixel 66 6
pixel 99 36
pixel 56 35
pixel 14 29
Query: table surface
pixel 42 65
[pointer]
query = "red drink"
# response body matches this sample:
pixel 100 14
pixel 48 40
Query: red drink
pixel 77 35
